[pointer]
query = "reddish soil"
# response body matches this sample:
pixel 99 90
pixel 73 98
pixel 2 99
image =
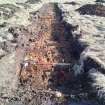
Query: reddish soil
pixel 48 47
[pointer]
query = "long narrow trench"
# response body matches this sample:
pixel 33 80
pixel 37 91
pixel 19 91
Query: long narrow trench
pixel 48 61
pixel 47 49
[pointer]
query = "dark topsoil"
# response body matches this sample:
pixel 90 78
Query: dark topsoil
pixel 92 9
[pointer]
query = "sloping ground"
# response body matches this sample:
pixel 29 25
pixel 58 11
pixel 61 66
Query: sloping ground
pixel 44 60
pixel 47 63
pixel 46 57
pixel 37 47
pixel 91 30
pixel 7 10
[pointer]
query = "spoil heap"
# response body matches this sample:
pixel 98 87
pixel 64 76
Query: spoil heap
pixel 92 9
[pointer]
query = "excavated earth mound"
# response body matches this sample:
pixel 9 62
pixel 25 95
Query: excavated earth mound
pixel 92 9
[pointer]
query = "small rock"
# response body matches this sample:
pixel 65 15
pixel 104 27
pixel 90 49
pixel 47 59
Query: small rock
pixel 1 39
pixel 3 25
pixel 9 37
pixel 26 64
pixel 11 30
pixel 58 94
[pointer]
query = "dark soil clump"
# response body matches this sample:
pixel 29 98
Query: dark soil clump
pixel 92 9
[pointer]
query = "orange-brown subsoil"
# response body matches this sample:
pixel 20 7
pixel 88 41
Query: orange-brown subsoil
pixel 47 47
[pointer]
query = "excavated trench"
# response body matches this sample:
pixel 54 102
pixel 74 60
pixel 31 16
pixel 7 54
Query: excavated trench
pixel 46 54
pixel 48 61
pixel 51 51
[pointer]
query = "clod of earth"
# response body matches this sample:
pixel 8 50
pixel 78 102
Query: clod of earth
pixel 92 9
